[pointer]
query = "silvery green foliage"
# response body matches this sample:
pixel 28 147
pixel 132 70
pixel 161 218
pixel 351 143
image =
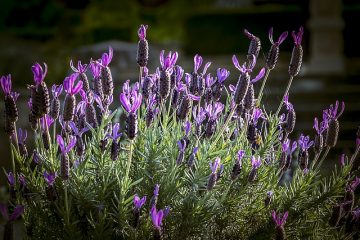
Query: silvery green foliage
pixel 233 198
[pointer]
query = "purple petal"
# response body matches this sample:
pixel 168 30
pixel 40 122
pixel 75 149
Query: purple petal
pixel 156 190
pixel 60 141
pixel 197 62
pixel 18 211
pixel 77 88
pixel 187 126
pixel 282 38
pixel 181 146
pixel 259 76
pixel 193 97
pixel 207 65
pixel 271 35
pixel 160 216
pixel 162 62
pixel 142 31
pixel 125 102
pixel 71 144
pixel 284 218
pixel 236 63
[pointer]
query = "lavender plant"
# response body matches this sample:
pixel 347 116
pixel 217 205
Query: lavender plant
pixel 83 179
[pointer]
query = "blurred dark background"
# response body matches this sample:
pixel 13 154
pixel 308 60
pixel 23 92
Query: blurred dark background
pixel 55 31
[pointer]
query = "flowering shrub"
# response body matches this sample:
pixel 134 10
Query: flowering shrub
pixel 195 159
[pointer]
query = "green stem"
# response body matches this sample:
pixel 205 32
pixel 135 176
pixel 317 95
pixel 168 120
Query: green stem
pixel 322 159
pixel 128 163
pixel 352 159
pixel 262 87
pixel 67 221
pixel 16 139
pixel 223 128
pixel 285 94
pixel 12 159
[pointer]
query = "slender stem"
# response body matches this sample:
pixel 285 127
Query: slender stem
pixel 128 164
pixel 171 95
pixel 286 93
pixel 352 159
pixel 262 87
pixel 47 131
pixel 16 139
pixel 224 127
pixel 12 159
pixel 323 158
pixel 67 221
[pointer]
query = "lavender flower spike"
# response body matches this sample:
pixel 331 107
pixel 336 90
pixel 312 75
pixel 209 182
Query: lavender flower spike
pixel 304 142
pixel 56 90
pixel 10 178
pixel 39 73
pixel 81 67
pixel 138 203
pixel 143 47
pixel 280 221
pixel 273 54
pixel 297 53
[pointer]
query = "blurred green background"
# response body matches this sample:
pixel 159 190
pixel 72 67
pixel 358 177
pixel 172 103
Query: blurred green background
pixel 56 31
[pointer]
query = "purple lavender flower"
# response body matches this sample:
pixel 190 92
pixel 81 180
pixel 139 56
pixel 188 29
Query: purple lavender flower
pixel 22 135
pixel 154 198
pixel 151 110
pixel 237 166
pixel 304 142
pixel 255 44
pixel 142 31
pixel 279 221
pixel 286 154
pixel 11 111
pixel 143 47
pixel 39 73
pixel 6 84
pixel 255 162
pixel 192 157
pixel 182 147
pixel 222 74
pixel 214 110
pixel 297 53
pixel 115 147
pixel 213 176
pixel 65 149
pixel 69 84
pixel 273 54
pixel 197 81
pixel 199 115
pixel 257 114
pixel 298 36
pixel 17 212
pixel 11 179
pixel 80 69
pixel 198 60
pixel 214 165
pixel 132 102
pixel 331 115
pixel 46 122
pixel 169 61
pixel 50 178
pixel 106 58
pixel 157 218
pixel 319 138
pixel 138 203
pixel 176 76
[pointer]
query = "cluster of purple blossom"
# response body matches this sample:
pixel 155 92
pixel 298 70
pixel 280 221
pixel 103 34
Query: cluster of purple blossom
pixel 184 93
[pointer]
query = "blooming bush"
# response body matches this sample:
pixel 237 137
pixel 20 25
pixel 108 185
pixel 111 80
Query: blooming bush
pixel 196 158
